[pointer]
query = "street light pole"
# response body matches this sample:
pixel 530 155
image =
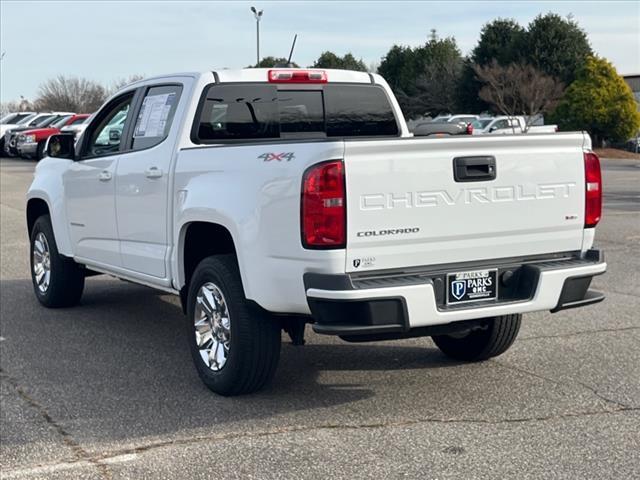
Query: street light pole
pixel 258 16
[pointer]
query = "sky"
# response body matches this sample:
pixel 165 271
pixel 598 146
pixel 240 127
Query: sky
pixel 110 40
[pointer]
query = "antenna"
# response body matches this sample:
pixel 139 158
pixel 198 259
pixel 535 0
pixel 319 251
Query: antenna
pixel 293 45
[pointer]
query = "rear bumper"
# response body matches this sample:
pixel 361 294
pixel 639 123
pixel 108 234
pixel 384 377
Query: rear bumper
pixel 401 302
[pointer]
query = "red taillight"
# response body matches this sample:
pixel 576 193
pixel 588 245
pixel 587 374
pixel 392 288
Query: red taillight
pixel 323 213
pixel 297 76
pixel 469 129
pixel 593 190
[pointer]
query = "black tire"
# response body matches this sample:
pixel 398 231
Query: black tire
pixel 484 343
pixel 66 278
pixel 2 153
pixel 40 151
pixel 254 345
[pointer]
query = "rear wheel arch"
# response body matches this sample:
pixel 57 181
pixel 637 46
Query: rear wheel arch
pixel 200 240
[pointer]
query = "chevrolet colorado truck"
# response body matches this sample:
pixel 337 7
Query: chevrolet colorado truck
pixel 270 198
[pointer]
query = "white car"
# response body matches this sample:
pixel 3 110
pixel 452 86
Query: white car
pixel 12 120
pixel 270 198
pixel 465 118
pixel 504 125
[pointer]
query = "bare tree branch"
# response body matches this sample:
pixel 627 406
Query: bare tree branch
pixel 518 89
pixel 70 94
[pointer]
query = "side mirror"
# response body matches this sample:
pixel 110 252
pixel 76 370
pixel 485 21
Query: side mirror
pixel 61 146
pixel 493 129
pixel 114 136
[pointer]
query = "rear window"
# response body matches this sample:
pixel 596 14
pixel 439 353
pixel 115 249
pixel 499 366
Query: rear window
pixel 262 111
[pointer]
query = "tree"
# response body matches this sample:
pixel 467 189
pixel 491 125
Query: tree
pixel 331 60
pixel 518 89
pixel 270 62
pixel 424 79
pixel 22 105
pixel 122 82
pixel 601 102
pixel 554 45
pixel 398 69
pixel 439 75
pixel 70 94
pixel 501 40
pixel 557 46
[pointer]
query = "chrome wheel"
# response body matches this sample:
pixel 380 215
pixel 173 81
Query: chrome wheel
pixel 41 262
pixel 212 326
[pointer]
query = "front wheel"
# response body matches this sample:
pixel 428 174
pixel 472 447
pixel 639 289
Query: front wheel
pixel 58 281
pixel 235 345
pixel 492 340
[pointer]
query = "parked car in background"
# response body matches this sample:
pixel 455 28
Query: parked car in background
pixel 504 125
pixel 39 121
pixel 15 118
pixel 12 120
pixel 459 118
pixel 31 143
pixel 444 125
pixel 77 127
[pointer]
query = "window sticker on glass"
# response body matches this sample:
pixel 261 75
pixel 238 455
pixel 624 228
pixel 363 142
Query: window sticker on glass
pixel 153 115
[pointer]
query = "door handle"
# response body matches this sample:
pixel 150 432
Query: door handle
pixel 474 169
pixel 104 176
pixel 153 172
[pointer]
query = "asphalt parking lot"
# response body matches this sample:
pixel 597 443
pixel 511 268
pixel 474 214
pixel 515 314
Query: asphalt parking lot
pixel 108 390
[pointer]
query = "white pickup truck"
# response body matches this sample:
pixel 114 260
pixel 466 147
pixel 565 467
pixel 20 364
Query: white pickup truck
pixel 267 199
pixel 504 125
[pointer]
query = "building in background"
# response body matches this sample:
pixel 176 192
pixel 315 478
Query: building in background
pixel 634 82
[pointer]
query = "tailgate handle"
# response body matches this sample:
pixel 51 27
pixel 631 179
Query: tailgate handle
pixel 474 169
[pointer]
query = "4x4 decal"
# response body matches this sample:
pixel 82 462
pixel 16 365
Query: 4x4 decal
pixel 269 157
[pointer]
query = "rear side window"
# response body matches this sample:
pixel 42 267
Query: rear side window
pixel 155 116
pixel 234 112
pixel 262 111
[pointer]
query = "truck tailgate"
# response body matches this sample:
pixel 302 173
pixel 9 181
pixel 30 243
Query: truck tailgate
pixel 406 209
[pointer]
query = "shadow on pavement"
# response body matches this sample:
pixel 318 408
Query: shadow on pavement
pixel 118 365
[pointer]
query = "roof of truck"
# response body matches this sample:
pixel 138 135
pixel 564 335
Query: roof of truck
pixel 262 75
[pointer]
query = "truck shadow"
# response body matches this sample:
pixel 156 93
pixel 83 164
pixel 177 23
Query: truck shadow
pixel 118 367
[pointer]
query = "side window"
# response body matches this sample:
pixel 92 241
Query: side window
pixel 155 116
pixel 500 124
pixel 238 112
pixel 105 136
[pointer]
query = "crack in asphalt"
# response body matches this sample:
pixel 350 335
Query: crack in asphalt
pixel 133 451
pixel 575 334
pixel 79 452
pixel 593 390
pixel 635 295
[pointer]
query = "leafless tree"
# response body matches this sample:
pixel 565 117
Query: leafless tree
pixel 22 105
pixel 121 82
pixel 437 85
pixel 519 89
pixel 71 94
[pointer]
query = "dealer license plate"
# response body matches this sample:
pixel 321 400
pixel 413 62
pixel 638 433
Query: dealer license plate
pixel 472 286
